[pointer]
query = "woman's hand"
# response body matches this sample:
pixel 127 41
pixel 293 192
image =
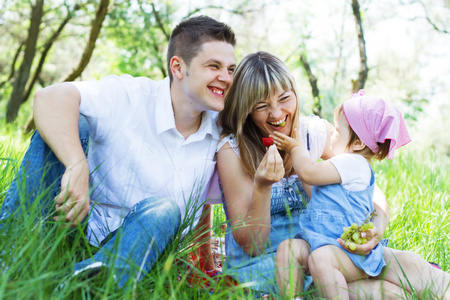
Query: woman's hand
pixel 248 198
pixel 271 168
pixel 364 249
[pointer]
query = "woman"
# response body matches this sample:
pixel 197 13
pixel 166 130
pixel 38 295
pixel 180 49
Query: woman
pixel 263 197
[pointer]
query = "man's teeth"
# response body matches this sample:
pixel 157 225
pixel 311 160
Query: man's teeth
pixel 220 92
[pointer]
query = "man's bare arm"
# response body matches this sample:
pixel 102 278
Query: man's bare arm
pixel 56 112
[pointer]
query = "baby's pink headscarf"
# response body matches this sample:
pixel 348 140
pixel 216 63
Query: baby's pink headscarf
pixel 376 120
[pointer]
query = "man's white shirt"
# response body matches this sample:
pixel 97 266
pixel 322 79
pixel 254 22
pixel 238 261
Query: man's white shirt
pixel 135 151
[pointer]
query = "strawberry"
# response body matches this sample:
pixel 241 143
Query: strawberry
pixel 267 141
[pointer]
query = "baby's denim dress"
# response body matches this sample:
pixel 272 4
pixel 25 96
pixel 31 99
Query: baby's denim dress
pixel 333 207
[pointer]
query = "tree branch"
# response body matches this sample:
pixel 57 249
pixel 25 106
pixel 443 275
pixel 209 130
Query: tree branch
pixel 24 71
pixel 47 47
pixel 160 23
pixel 102 11
pixel 234 11
pixel 363 69
pixel 13 65
pixel 427 17
pixel 317 108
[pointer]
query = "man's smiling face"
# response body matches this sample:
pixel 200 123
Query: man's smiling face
pixel 210 75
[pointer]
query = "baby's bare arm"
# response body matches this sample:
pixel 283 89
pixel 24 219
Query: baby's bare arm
pixel 308 170
pixel 286 143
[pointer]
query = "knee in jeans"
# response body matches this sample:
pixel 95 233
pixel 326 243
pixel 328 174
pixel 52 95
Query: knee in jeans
pixel 157 204
pixel 157 212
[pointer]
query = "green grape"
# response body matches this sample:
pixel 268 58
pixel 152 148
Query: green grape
pixel 356 235
pixel 352 246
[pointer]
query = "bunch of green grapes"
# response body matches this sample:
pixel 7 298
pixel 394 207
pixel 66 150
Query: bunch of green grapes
pixel 353 236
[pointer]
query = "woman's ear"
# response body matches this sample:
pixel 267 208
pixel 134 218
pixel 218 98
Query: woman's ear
pixel 177 67
pixel 358 145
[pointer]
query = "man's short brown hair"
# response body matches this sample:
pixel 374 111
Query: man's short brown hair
pixel 188 37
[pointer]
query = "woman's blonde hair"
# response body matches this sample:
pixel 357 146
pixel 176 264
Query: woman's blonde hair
pixel 259 76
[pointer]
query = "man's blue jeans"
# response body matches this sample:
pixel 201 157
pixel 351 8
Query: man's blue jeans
pixel 130 251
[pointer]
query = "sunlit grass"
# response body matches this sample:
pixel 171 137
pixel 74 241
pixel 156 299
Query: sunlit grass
pixel 417 187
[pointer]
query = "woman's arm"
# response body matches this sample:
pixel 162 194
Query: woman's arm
pixel 247 200
pixel 203 257
pixel 381 220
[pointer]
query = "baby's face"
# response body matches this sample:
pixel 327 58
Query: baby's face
pixel 340 135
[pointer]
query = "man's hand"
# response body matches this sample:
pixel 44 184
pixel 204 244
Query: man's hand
pixel 73 203
pixel 364 249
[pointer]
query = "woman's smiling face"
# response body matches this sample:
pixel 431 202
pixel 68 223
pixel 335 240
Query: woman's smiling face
pixel 276 113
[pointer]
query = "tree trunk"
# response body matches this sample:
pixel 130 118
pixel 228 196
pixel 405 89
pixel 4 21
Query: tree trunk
pixel 48 46
pixel 363 69
pixel 102 11
pixel 24 72
pixel 317 107
pixel 13 66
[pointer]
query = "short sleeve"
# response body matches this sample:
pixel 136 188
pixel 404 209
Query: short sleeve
pixel 103 101
pixel 231 139
pixel 354 170
pixel 314 135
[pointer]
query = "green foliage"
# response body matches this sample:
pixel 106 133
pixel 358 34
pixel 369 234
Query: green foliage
pixel 414 107
pixel 219 219
pixel 141 33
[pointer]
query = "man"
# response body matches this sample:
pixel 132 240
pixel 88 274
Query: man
pixel 151 149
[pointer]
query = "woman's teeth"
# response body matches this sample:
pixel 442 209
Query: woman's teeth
pixel 279 123
pixel 214 90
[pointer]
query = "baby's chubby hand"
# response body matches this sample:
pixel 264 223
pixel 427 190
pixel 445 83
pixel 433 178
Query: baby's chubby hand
pixel 286 143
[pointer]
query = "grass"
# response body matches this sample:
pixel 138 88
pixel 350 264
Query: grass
pixel 41 256
pixel 417 187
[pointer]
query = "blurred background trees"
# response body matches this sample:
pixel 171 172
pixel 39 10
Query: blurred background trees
pixel 397 49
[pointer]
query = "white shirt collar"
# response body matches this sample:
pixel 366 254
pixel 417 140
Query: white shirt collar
pixel 164 111
pixel 165 119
